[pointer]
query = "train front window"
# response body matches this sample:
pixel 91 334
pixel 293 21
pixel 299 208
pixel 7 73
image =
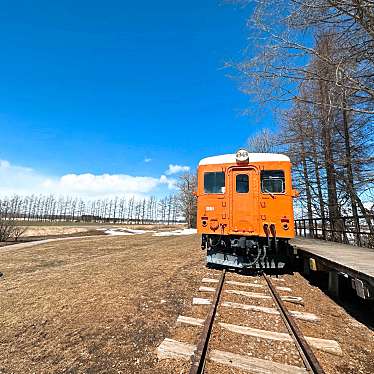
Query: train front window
pixel 242 183
pixel 272 181
pixel 214 182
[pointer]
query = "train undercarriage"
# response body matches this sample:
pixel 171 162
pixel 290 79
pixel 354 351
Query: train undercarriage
pixel 246 252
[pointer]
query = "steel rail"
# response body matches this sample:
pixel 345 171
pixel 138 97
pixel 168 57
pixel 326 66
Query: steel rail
pixel 310 361
pixel 198 360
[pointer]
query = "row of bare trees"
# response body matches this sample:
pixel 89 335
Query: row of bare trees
pixel 319 57
pixel 117 210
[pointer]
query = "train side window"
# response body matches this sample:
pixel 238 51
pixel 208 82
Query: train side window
pixel 214 182
pixel 242 183
pixel 272 181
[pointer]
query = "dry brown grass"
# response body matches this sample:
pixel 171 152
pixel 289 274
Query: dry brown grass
pixel 95 304
pixel 54 230
pixel 61 228
pixel 104 304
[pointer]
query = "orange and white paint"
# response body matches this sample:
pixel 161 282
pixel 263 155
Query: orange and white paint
pixel 245 194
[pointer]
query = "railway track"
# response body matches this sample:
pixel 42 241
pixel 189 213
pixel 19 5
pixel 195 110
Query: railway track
pixel 199 358
pixel 202 352
pixel 309 359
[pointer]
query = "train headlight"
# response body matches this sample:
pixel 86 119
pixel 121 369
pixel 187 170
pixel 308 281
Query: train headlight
pixel 242 155
pixel 285 222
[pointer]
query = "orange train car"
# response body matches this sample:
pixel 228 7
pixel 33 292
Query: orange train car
pixel 245 209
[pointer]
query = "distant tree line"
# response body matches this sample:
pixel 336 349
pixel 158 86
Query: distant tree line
pixel 319 57
pixel 114 210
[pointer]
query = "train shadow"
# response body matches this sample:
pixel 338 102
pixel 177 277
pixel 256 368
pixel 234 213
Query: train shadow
pixel 255 271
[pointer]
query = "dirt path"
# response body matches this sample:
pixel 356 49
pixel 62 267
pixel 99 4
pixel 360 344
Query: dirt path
pixel 18 246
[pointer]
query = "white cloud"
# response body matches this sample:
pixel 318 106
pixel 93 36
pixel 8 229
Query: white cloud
pixel 175 169
pixel 21 180
pixel 171 183
pixel 147 159
pixel 18 179
pixel 105 184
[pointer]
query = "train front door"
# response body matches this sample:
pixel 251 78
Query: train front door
pixel 244 200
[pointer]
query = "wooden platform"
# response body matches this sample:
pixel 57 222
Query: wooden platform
pixel 357 262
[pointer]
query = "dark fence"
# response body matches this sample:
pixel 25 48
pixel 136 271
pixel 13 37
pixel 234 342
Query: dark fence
pixel 348 230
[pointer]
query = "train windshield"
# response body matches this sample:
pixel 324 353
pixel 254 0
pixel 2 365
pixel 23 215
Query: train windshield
pixel 272 181
pixel 214 182
pixel 242 183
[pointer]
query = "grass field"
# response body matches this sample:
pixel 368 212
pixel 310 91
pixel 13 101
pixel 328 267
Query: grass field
pixel 46 229
pixel 55 223
pixel 94 304
pixel 104 304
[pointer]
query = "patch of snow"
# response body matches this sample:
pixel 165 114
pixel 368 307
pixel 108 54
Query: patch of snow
pixel 124 231
pixel 176 232
pixel 117 232
pixel 131 231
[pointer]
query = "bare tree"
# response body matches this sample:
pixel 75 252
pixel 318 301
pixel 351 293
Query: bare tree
pixel 188 203
pixel 281 42
pixel 262 142
pixel 18 231
pixel 318 55
pixel 10 230
pixel 6 230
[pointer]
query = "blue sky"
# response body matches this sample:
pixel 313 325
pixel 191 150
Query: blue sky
pixel 98 87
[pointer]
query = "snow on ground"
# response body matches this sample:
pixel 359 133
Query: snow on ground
pixel 131 231
pixel 124 231
pixel 176 232
pixel 117 232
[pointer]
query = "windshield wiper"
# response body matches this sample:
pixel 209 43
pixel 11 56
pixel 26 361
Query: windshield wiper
pixel 270 193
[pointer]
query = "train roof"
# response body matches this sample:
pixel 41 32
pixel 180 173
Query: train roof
pixel 253 157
